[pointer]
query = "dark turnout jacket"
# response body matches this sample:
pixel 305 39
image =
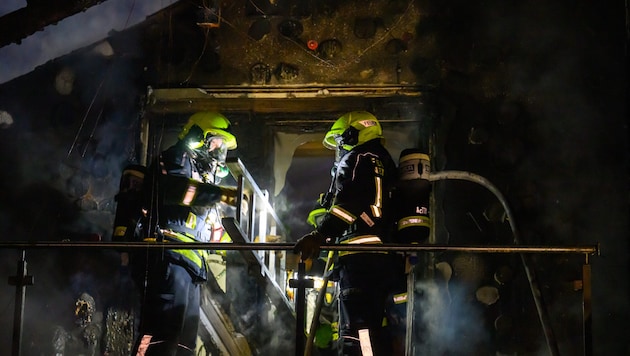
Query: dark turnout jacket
pixel 178 201
pixel 360 211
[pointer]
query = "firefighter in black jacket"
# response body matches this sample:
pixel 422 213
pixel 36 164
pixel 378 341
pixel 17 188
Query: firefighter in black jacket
pixel 181 197
pixel 359 214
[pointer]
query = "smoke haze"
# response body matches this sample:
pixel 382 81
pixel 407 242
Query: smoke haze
pixel 71 33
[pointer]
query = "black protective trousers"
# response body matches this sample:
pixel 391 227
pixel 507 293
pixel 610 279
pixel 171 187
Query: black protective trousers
pixel 365 284
pixel 170 312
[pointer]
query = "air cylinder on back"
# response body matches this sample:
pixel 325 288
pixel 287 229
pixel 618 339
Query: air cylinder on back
pixel 412 197
pixel 129 202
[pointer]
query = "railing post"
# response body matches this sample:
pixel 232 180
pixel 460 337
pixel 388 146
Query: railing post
pixel 410 316
pixel 586 308
pixel 300 284
pixel 20 281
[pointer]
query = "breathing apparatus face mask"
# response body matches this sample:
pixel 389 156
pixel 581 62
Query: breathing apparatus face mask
pixel 340 151
pixel 216 148
pixel 210 157
pixel 217 153
pixel 346 141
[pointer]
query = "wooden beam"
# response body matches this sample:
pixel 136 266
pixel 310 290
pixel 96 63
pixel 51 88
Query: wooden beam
pixel 287 99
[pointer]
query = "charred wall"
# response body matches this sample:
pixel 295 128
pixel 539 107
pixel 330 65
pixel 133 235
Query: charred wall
pixel 532 98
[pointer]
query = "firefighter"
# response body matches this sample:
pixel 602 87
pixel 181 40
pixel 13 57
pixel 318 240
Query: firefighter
pixel 359 214
pixel 181 194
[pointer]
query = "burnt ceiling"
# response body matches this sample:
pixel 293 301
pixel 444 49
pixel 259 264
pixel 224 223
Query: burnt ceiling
pixel 289 44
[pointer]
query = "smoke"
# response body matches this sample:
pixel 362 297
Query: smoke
pixel 6 120
pixel 62 159
pixel 58 279
pixel 266 328
pixel 447 320
pixel 306 179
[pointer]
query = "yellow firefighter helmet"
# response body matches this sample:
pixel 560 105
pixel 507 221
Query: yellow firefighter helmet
pixel 352 129
pixel 208 124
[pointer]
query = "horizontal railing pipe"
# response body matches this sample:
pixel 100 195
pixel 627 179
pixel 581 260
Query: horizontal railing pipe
pixel 584 249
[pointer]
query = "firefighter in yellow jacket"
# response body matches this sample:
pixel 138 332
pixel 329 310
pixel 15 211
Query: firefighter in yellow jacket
pixel 181 191
pixel 359 214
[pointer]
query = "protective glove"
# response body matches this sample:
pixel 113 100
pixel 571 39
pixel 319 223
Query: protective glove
pixel 308 245
pixel 229 195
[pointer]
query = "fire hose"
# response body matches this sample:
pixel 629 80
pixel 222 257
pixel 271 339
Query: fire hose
pixel 531 277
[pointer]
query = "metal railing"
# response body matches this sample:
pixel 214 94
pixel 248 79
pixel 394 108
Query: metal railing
pixel 22 279
pixel 586 250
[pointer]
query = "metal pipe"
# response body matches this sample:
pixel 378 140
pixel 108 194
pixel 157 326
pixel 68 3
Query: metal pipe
pixel 532 249
pixel 529 271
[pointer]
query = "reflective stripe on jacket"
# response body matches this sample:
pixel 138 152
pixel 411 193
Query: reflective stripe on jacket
pixel 361 240
pixel 196 257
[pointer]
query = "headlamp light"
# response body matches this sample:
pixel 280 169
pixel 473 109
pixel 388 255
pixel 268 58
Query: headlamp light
pixel 193 145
